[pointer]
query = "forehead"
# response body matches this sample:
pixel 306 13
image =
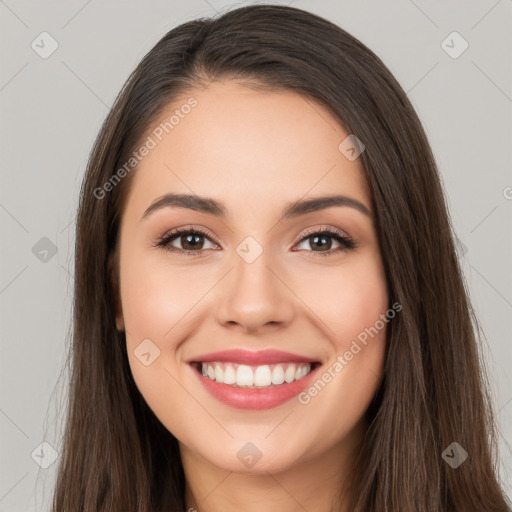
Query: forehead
pixel 247 147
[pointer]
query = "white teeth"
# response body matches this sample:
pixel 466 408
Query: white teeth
pixel 262 376
pixel 278 375
pixel 219 374
pixel 241 375
pixel 244 375
pixel 289 374
pixel 229 375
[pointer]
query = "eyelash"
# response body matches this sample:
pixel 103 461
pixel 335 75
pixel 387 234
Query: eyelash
pixel 346 242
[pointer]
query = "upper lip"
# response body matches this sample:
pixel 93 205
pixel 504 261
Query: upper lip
pixel 251 358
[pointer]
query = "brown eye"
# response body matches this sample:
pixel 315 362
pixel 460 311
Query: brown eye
pixel 192 241
pixel 321 242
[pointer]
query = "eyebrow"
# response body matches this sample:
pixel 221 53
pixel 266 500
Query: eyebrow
pixel 292 210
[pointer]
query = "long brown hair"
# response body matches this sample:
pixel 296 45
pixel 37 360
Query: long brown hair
pixel 116 455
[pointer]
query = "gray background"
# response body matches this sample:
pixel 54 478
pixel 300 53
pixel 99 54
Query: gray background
pixel 51 110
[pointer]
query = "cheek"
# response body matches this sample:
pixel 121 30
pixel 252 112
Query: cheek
pixel 346 385
pixel 155 297
pixel 353 303
pixel 155 303
pixel 348 299
pixel 155 307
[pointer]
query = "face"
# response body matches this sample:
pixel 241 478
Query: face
pixel 254 298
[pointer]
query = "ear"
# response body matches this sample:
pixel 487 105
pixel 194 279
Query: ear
pixel 113 273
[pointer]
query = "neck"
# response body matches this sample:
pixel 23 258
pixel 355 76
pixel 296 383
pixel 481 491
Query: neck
pixel 321 483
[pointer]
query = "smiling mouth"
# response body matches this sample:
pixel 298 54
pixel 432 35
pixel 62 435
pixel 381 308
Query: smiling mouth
pixel 254 376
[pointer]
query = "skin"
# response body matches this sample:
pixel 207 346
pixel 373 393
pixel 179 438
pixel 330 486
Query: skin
pixel 254 152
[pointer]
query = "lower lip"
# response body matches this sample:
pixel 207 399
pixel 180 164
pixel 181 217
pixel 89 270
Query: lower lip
pixel 255 399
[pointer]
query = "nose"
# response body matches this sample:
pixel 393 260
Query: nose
pixel 255 297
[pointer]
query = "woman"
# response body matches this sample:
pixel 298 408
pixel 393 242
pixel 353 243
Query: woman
pixel 226 355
